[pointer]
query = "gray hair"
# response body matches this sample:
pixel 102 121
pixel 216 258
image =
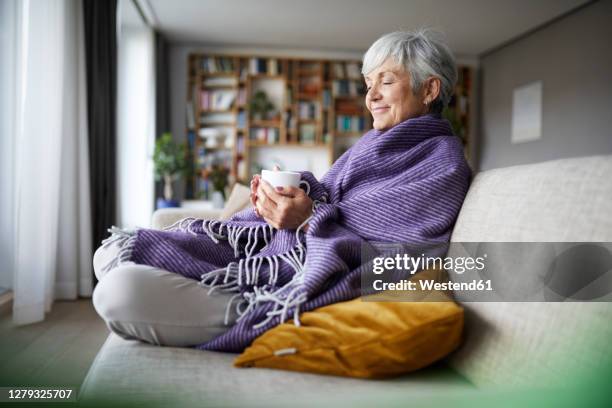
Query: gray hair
pixel 423 54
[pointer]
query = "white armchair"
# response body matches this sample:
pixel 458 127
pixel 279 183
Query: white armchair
pixel 237 201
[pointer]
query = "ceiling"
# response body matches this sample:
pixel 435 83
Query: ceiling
pixel 471 26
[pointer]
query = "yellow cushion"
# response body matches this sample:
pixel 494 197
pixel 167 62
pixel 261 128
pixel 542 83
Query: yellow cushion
pixel 363 339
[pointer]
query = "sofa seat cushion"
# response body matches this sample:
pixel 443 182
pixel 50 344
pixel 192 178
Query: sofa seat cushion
pixel 132 372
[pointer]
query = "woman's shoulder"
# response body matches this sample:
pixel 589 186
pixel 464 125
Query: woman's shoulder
pixel 446 143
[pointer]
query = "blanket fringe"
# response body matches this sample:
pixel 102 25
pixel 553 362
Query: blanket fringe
pixel 217 230
pixel 246 271
pixel 125 239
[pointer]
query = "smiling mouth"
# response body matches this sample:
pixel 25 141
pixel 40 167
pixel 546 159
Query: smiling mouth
pixel 380 109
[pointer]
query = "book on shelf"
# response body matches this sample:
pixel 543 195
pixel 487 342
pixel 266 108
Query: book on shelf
pixel 242 97
pixel 240 145
pixel 350 123
pixel 191 135
pixel 338 70
pixel 268 135
pixel 327 98
pixel 273 67
pixel 349 70
pixel 203 188
pixel 325 121
pixel 310 85
pixel 353 71
pixel 309 66
pixel 308 110
pixel 215 65
pixel 289 119
pixel 269 66
pixel 347 87
pixel 241 120
pixel 307 133
pixel 349 106
pixel 244 72
pixel 217 100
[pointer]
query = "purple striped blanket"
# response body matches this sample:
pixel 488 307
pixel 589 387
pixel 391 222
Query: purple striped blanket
pixel 405 184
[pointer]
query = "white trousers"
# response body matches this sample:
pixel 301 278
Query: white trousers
pixel 140 302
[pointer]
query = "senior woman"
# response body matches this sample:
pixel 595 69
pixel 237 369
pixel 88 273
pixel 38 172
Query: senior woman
pixel 217 285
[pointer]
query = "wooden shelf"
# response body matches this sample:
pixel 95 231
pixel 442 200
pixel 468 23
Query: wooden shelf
pixel 307 144
pixel 217 111
pixel 265 123
pixel 230 87
pixel 216 147
pixel 253 143
pixel 266 76
pixel 213 124
pixel 309 72
pixel 217 74
pixel 299 75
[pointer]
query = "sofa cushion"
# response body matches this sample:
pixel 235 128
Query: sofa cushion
pixel 361 338
pixel 536 343
pixel 131 373
pixel 238 200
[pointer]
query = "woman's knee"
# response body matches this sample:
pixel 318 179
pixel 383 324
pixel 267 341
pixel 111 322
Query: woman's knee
pixel 117 297
pixel 102 257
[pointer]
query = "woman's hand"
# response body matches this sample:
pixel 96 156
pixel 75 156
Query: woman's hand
pixel 282 207
pixel 254 184
pixel 253 195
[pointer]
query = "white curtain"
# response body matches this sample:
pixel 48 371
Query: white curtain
pixel 9 33
pixel 135 125
pixel 50 181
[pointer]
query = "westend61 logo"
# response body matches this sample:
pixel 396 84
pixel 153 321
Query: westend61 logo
pixel 412 264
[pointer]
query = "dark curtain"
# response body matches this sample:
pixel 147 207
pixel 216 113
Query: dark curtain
pixel 162 113
pixel 100 22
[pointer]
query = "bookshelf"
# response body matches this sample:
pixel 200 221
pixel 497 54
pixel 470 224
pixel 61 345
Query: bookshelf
pixel 315 104
pixel 310 101
pixel 460 112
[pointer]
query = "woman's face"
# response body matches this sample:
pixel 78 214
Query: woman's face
pixel 390 99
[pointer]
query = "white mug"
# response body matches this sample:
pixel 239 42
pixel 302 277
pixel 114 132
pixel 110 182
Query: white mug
pixel 284 179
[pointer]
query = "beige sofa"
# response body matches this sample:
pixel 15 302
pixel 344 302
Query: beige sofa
pixel 507 345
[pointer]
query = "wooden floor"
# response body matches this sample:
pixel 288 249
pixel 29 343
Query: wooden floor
pixel 57 351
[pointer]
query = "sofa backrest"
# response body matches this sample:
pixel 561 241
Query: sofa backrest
pixel 567 200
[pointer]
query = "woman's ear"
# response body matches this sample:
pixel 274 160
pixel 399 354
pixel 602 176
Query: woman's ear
pixel 431 90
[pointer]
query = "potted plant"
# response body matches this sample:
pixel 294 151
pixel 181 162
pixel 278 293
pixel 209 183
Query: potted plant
pixel 217 174
pixel 260 106
pixel 169 161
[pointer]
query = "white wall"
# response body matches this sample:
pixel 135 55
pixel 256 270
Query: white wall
pixel 573 59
